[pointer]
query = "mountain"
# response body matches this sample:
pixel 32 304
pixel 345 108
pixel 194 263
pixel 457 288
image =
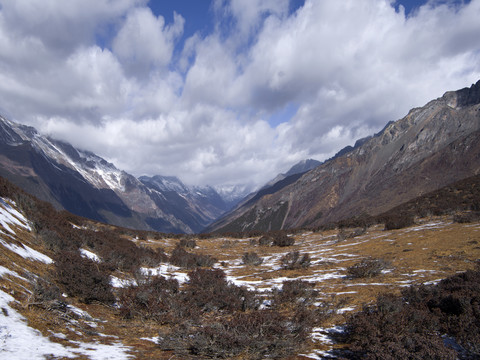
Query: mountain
pixel 274 185
pixel 87 185
pixel 299 168
pixel 431 147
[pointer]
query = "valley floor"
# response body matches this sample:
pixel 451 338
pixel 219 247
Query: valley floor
pixel 433 249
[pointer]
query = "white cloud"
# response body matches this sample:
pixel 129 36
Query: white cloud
pixel 111 77
pixel 247 16
pixel 62 25
pixel 144 42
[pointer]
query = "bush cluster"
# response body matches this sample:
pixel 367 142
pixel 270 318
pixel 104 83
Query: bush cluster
pixel 187 243
pixel 211 317
pixel 398 221
pixel 253 335
pixel 251 258
pixel 82 278
pixel 294 260
pixel 182 258
pixel 151 299
pixel 367 268
pixel 426 322
pixel 296 292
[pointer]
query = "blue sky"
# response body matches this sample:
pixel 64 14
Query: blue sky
pixel 227 92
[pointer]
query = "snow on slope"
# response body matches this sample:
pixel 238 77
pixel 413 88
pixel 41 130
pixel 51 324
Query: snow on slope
pixel 9 215
pixel 18 341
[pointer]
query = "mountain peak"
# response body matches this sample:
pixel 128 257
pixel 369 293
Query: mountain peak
pixel 463 97
pixel 303 166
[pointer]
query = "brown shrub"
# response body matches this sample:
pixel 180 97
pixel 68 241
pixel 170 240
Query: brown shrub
pixel 82 278
pixel 251 258
pixel 427 322
pixel 282 239
pixel 152 299
pixel 208 290
pixel 293 260
pixel 182 258
pixel 297 292
pixel 253 335
pixel 367 268
pixel 187 243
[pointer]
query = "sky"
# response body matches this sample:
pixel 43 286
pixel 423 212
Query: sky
pixel 227 92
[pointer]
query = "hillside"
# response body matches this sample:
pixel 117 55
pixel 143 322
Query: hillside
pixel 429 148
pixel 60 275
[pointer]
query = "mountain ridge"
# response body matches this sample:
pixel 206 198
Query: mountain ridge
pixel 86 184
pixel 428 148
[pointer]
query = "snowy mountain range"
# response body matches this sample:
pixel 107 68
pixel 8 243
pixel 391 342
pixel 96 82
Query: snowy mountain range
pixel 87 185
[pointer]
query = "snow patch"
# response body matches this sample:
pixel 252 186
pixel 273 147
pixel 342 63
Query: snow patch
pixel 121 283
pixel 18 341
pixel 10 216
pixel 27 252
pixel 166 271
pixel 90 255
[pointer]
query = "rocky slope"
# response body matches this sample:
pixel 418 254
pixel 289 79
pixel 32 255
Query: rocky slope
pixel 431 147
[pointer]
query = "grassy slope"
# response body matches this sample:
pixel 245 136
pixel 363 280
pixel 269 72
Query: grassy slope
pixel 432 250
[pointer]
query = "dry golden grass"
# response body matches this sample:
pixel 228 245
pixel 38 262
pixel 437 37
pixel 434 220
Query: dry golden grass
pixel 434 249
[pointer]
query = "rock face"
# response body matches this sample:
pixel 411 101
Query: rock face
pixel 87 185
pixel 429 148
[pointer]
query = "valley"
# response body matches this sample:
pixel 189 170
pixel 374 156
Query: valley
pixel 434 248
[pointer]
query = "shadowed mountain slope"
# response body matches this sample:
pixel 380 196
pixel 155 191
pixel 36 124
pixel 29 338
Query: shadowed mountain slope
pixel 431 147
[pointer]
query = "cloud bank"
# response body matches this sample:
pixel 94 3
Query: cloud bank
pixel 266 88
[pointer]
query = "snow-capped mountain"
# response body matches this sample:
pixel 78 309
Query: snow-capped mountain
pixel 86 184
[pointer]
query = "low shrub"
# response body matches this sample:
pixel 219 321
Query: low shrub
pixel 367 268
pixel 182 258
pixel 398 221
pixel 208 290
pixel 187 243
pixel 282 239
pixel 296 292
pixel 82 278
pixel 427 322
pixel 252 335
pixel 265 241
pixel 293 260
pixel 153 299
pixel 252 258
